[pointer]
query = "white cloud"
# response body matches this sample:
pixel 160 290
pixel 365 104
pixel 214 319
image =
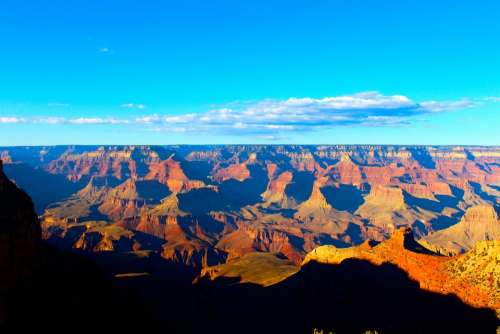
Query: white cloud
pixel 117 121
pixel 148 119
pixel 493 98
pixel 97 120
pixel 268 117
pixel 50 120
pixel 187 118
pixel 240 125
pixel 133 105
pixel 357 101
pixel 274 118
pixel 441 106
pixel 83 120
pixel 270 137
pixel 104 50
pixel 7 120
pixel 57 104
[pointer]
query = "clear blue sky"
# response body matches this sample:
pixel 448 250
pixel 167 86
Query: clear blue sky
pixel 170 72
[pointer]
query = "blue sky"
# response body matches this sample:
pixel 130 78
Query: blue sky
pixel 197 72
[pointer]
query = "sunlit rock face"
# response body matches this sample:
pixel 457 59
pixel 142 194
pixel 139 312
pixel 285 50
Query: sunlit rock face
pixel 473 276
pixel 479 223
pixel 203 205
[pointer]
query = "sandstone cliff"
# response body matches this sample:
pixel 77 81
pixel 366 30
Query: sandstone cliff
pixel 479 223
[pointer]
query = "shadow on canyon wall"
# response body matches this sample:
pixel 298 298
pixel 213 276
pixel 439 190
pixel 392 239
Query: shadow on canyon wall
pixel 43 187
pixel 343 197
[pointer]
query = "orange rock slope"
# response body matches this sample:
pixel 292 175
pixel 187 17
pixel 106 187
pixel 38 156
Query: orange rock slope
pixel 433 272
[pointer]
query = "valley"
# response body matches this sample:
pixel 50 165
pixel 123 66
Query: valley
pixel 269 221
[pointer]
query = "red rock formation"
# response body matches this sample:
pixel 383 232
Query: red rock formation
pixel 440 188
pixel 382 198
pixel 237 171
pixel 275 192
pixel 479 223
pixel 93 236
pixel 170 173
pixel 433 272
pixel 122 202
pixel 385 207
pixel 382 175
pixel 347 172
pixel 97 163
pixel 418 190
pixel 247 239
pixel 317 200
pixel 196 254
pixel 302 161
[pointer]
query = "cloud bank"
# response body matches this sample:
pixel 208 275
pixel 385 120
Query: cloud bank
pixel 273 118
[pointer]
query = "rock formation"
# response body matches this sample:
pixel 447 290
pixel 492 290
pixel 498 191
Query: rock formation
pixel 237 199
pixel 479 223
pixel 433 272
pixel 265 269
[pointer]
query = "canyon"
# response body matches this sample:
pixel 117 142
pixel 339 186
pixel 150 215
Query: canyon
pixel 263 216
pixel 202 205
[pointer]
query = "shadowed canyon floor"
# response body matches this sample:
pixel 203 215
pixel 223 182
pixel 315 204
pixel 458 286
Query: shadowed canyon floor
pixel 275 238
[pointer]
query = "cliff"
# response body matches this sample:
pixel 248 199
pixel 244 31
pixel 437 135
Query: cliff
pixel 20 234
pixel 479 223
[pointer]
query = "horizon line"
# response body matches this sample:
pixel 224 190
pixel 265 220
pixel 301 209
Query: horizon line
pixel 252 144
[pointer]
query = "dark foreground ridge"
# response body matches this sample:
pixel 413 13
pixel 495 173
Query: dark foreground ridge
pixel 352 297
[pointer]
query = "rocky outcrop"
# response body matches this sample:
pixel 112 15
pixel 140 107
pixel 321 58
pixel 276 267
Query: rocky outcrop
pixel 388 197
pixel 480 266
pixel 197 254
pixel 101 162
pixel 127 199
pixel 347 172
pixel 385 207
pixel 433 272
pixel 248 239
pixel 237 171
pixel 79 206
pixel 477 224
pixel 316 205
pixel 92 236
pixel 419 190
pixel 275 192
pixel 170 173
pixel 260 268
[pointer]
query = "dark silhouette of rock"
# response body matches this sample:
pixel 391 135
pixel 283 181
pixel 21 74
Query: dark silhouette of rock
pixel 352 297
pixel 19 234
